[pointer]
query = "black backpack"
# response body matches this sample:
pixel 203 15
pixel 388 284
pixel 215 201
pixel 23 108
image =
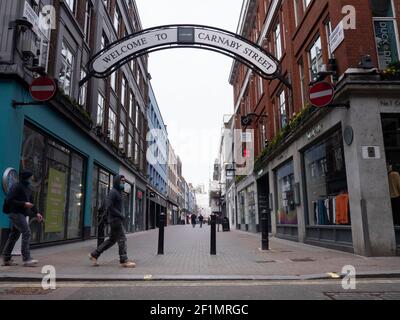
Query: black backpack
pixel 102 213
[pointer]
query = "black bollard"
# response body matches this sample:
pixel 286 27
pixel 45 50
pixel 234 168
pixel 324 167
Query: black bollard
pixel 213 247
pixel 161 226
pixel 264 230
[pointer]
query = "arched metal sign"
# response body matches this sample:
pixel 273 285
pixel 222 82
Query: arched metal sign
pixel 183 36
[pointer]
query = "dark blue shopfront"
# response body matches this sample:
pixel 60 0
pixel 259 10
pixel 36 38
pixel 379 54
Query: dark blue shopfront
pixel 63 158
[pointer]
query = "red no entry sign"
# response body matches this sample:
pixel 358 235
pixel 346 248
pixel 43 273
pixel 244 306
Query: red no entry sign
pixel 42 89
pixel 321 94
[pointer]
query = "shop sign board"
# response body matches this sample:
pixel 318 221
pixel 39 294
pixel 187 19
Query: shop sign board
pixel 55 205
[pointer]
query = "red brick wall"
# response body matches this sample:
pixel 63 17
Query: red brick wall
pixel 297 40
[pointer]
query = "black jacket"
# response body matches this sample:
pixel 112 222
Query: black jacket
pixel 17 196
pixel 114 202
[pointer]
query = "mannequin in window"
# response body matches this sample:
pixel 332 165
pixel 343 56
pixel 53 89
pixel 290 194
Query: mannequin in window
pixel 394 188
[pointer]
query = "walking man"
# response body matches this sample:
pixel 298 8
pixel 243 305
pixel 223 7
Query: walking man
pixel 116 220
pixel 193 218
pixel 201 218
pixel 20 205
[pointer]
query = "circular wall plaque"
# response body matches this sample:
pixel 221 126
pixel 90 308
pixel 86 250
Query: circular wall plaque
pixel 10 177
pixel 348 135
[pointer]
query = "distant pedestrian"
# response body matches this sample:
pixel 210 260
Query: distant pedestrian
pixel 19 203
pixel 201 218
pixel 116 220
pixel 193 218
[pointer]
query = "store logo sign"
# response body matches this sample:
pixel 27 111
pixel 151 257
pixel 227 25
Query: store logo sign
pixel 314 132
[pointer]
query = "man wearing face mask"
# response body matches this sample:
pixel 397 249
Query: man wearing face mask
pixel 116 220
pixel 20 201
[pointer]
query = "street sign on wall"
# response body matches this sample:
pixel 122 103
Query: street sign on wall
pixel 321 94
pixel 43 89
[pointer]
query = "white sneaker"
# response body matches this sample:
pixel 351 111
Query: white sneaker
pixel 94 260
pixel 128 264
pixel 31 263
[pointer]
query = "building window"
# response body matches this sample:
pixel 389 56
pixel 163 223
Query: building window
pixel 326 183
pixel 302 83
pixel 278 42
pixel 113 81
pixel 112 125
pixel 104 42
pixel 88 17
pixel 71 5
pixel 316 58
pixel 83 90
pixel 130 146
pixel 100 110
pixel 286 209
pixel 307 3
pixel 260 86
pixel 122 131
pixel 282 109
pixel 66 71
pixel 123 91
pixel 386 35
pixel 117 20
pixel 137 114
pixel 131 104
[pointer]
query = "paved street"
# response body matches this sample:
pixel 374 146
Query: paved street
pixel 187 258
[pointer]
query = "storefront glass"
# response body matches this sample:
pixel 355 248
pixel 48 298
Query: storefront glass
pixel 326 183
pixel 58 186
pixel 139 216
pixel 286 211
pixel 391 134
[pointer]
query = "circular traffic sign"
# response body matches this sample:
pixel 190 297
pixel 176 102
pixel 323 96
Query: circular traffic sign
pixel 43 89
pixel 321 94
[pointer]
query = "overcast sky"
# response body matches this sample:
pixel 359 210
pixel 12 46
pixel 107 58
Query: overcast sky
pixel 191 85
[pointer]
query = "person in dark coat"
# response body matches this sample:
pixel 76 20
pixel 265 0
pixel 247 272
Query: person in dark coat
pixel 201 218
pixel 116 221
pixel 193 218
pixel 20 202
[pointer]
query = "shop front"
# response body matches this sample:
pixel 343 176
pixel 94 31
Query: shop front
pixel 58 186
pixel 335 179
pixel 247 219
pixel 326 192
pixel 391 135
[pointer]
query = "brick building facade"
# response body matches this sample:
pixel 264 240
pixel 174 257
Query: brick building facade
pixel 293 141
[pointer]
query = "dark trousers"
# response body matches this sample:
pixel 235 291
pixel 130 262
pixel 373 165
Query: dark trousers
pixel 201 224
pixel 117 235
pixel 18 226
pixel 396 211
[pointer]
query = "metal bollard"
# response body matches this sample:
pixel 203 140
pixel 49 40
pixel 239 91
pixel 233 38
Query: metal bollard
pixel 213 246
pixel 264 230
pixel 161 226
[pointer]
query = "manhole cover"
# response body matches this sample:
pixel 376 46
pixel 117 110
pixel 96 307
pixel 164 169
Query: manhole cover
pixel 26 291
pixel 303 260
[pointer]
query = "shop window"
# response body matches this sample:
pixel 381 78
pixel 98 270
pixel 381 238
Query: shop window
pixel 58 186
pixel 285 187
pixel 391 134
pixel 326 183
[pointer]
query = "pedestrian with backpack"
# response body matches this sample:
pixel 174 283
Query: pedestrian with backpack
pixel 18 205
pixel 116 222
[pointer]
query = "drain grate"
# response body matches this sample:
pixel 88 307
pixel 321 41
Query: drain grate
pixel 26 291
pixel 303 260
